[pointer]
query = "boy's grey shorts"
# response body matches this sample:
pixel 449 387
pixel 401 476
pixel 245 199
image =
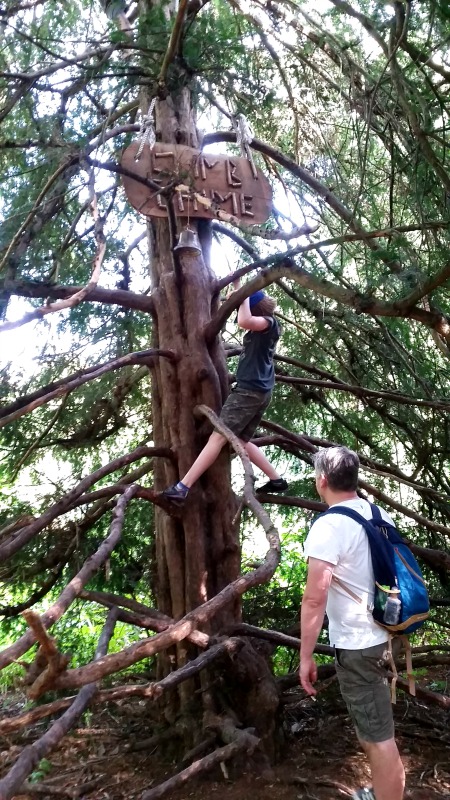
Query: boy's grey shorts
pixel 364 686
pixel 243 411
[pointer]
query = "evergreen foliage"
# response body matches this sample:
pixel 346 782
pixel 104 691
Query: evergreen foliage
pixel 355 96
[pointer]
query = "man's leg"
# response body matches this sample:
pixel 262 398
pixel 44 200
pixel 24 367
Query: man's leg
pixel 364 687
pixel 388 773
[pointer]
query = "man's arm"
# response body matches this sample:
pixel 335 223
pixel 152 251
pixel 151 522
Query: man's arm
pixel 313 607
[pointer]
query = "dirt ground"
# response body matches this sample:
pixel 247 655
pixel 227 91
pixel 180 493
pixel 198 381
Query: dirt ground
pixel 112 757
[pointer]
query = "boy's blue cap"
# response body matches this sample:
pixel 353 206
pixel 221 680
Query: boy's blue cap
pixel 256 297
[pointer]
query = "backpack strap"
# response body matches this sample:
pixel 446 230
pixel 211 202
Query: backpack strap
pixel 376 513
pixel 408 659
pixel 380 544
pixel 348 512
pixel 391 661
pixel 347 589
pixel 354 515
pixel 409 669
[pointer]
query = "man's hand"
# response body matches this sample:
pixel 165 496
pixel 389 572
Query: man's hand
pixel 236 284
pixel 308 675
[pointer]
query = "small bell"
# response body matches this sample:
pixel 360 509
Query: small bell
pixel 188 243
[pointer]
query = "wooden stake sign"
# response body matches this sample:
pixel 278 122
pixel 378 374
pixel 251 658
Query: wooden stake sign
pixel 233 185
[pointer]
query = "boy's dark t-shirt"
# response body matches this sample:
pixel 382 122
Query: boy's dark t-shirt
pixel 255 369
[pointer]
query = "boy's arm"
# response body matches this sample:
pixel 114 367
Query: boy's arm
pixel 245 318
pixel 247 321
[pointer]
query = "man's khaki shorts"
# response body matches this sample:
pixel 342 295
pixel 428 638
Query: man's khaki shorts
pixel 243 411
pixel 364 686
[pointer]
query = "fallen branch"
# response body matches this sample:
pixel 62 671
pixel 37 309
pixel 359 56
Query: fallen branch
pixel 176 633
pixel 281 639
pixel 434 698
pixel 32 754
pixel 148 690
pixel 55 662
pixel 46 789
pixel 144 616
pixel 246 743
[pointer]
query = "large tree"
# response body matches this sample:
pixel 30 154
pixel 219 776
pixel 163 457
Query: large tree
pixel 349 117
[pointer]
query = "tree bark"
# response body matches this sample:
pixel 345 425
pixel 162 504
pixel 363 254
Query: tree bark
pixel 198 551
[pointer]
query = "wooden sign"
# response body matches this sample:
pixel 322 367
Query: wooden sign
pixel 233 185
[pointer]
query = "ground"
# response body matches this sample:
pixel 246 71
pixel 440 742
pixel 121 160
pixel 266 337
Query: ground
pixel 112 756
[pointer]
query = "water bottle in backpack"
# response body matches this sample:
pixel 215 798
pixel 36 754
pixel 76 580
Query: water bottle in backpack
pixel 392 608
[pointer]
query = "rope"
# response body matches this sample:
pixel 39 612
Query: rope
pixel 244 134
pixel 146 133
pixel 244 137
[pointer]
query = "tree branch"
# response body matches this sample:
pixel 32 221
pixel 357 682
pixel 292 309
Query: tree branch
pixel 73 589
pixel 23 405
pixel 33 753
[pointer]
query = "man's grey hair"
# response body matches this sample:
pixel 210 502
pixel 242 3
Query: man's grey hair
pixel 339 466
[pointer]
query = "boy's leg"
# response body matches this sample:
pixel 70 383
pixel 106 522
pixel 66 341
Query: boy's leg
pixel 258 458
pixel 242 409
pixel 204 459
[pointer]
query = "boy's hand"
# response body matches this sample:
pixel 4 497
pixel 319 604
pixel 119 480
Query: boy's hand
pixel 236 284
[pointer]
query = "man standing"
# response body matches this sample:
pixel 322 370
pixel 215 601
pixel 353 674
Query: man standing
pixel 339 563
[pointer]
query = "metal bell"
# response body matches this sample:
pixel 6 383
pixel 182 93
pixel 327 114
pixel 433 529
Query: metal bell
pixel 188 243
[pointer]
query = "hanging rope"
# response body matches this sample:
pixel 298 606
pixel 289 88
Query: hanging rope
pixel 146 133
pixel 244 137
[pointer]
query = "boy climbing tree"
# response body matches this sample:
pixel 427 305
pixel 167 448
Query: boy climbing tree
pixel 248 399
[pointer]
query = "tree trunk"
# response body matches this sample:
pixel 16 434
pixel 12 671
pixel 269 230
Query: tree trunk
pixel 197 551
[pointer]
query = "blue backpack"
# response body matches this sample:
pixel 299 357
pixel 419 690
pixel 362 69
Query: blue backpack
pixel 394 567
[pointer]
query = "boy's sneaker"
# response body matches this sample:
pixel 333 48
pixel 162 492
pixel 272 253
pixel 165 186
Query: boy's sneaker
pixel 174 494
pixel 273 486
pixel 364 794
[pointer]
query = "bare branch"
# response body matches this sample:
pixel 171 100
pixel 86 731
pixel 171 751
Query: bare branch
pixel 361 391
pixel 174 40
pixel 23 405
pixel 228 647
pixel 33 753
pixel 119 297
pixel 24 535
pixel 73 589
pixel 362 304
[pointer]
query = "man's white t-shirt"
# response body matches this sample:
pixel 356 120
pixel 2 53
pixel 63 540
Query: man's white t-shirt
pixel 343 542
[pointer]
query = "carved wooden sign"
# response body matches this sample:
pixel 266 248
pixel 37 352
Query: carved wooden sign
pixel 233 185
